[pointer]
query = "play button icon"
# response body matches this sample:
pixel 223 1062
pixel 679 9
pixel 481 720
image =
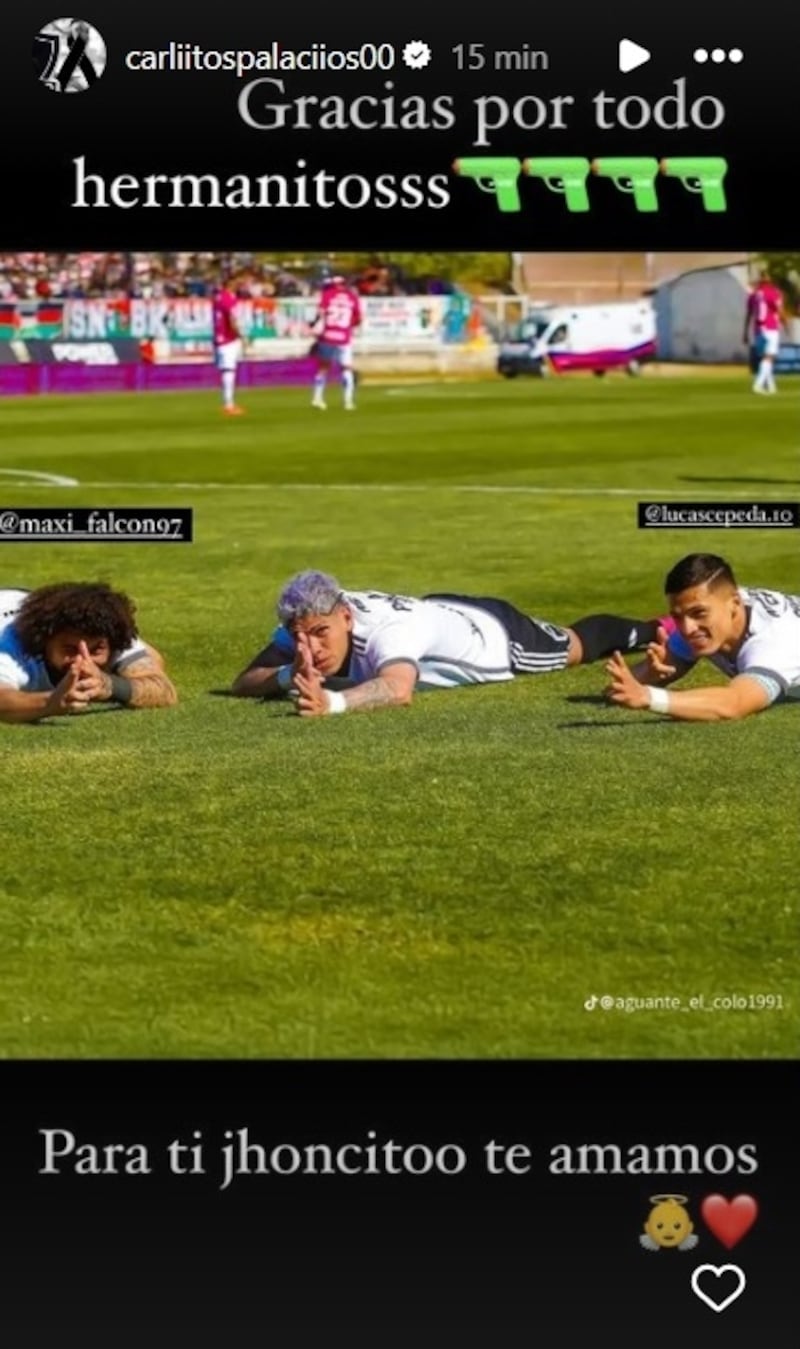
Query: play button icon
pixel 631 55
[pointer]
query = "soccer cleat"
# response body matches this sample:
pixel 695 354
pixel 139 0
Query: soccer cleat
pixel 668 624
pixel 233 411
pixel 318 403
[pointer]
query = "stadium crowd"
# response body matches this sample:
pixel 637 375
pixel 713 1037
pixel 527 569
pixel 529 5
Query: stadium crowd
pixel 79 276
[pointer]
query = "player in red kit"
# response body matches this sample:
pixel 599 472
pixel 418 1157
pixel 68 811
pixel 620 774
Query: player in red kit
pixel 337 320
pixel 763 317
pixel 227 344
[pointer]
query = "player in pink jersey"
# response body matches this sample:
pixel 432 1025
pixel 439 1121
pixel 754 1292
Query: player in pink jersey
pixel 227 344
pixel 762 327
pixel 337 320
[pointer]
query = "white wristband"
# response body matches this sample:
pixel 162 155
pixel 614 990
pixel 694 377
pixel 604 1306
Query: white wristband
pixel 659 700
pixel 283 678
pixel 336 701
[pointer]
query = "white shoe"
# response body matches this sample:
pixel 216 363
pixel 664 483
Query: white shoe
pixel 318 403
pixel 349 407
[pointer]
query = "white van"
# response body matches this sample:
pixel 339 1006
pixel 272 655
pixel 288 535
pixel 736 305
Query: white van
pixel 592 337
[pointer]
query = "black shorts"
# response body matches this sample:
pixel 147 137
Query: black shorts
pixel 535 647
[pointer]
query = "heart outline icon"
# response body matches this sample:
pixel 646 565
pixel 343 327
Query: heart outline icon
pixel 729 1220
pixel 718 1270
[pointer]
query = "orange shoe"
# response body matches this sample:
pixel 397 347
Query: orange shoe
pixel 233 411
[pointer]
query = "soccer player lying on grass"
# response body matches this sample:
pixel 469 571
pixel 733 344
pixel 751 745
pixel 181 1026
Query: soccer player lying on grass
pixel 753 636
pixel 65 646
pixel 386 646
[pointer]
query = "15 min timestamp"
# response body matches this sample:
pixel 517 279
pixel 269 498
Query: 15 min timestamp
pixel 475 56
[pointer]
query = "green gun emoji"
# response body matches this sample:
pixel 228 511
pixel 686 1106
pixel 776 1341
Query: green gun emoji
pixel 633 175
pixel 701 175
pixel 563 174
pixel 494 174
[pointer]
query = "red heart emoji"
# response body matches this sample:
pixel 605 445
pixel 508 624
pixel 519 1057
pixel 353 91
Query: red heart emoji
pixel 729 1219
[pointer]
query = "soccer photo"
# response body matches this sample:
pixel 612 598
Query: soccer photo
pixel 460 723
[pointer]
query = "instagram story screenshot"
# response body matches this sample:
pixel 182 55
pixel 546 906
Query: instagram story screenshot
pixel 399 678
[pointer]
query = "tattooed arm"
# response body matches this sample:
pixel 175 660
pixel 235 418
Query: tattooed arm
pixel 143 681
pixel 151 686
pixel 392 687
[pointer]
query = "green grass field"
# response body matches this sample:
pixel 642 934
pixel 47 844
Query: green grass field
pixel 456 879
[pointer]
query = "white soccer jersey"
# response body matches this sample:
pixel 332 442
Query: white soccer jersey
pixel 10 600
pixel 449 643
pixel 29 673
pixel 770 651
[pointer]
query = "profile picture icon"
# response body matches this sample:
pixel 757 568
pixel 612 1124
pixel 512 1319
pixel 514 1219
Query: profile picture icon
pixel 69 56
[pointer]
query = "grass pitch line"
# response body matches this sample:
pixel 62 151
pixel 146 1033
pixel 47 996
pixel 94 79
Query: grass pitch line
pixel 520 489
pixel 50 479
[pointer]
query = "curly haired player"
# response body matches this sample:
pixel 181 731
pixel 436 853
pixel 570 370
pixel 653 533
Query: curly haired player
pixel 65 646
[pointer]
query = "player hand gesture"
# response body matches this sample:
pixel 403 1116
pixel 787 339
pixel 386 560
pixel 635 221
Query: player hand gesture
pixel 309 696
pixel 658 659
pixel 306 692
pixel 303 663
pixel 92 680
pixel 68 696
pixel 624 689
